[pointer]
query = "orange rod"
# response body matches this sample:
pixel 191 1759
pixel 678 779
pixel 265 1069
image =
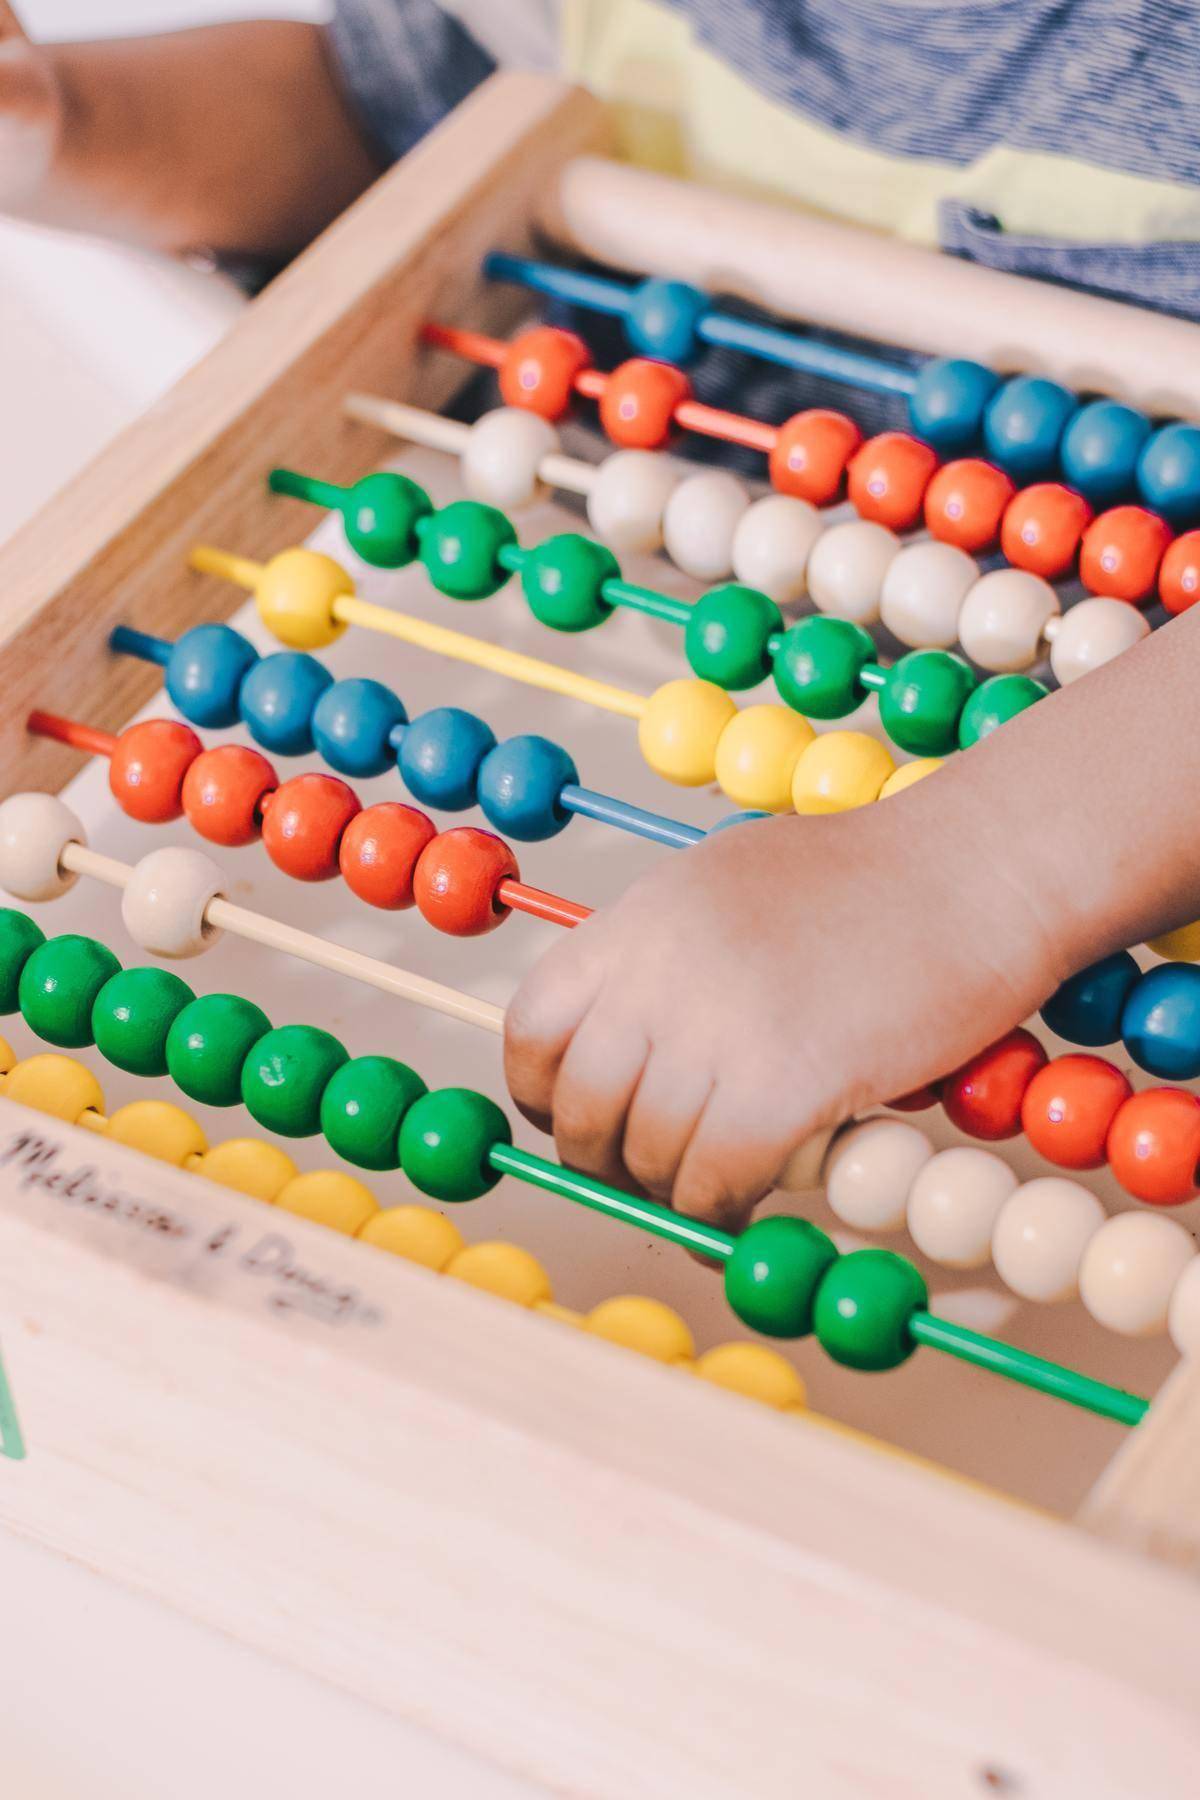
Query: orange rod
pixel 476 346
pixel 66 731
pixel 540 905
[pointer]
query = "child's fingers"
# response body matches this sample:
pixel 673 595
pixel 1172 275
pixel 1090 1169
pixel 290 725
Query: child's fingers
pixel 10 25
pixel 729 1164
pixel 597 1078
pixel 662 1118
pixel 540 1021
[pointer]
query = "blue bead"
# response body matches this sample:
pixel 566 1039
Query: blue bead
pixel 440 754
pixel 1023 425
pixel 1161 1022
pixel 1168 474
pixel 738 818
pixel 519 784
pixel 662 320
pixel 947 404
pixel 205 671
pixel 1100 449
pixel 1087 1008
pixel 279 696
pixel 352 724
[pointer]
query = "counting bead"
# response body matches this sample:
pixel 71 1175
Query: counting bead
pixel 58 988
pixel 440 754
pixel 132 1015
pixel 1183 1309
pixel 1042 528
pixel 863 1307
pixel 295 597
pixel 869 1171
pixel 504 1270
pixel 840 771
pixel 8 1056
pixel 773 1275
pixel 1092 633
pixel 887 478
pixel 284 1075
pixel 1161 1022
pixel 19 938
pixel 727 634
pixel 1003 619
pixel 158 1129
pixel 922 701
pixel 818 664
pixel 362 1108
pixel 352 726
pixel 379 852
pixel 1069 1107
pixel 446 1141
pixel 1179 574
pixel 1023 425
pixel 1129 1271
pixel 1087 1008
pixel 416 1233
pixel 1154 1146
pixel 907 776
pixel 1040 1237
pixel 680 729
pixel 380 516
pixel 1180 945
pixel 699 523
pixel 456 881
pixel 810 454
pixel 209 1042
pixel 923 591
pixel 637 407
pixel 279 697
pixel 847 567
pixel 35 829
pixel 1121 552
pixel 772 544
pixel 755 1372
pixel 947 402
pixel 954 1204
pixel 993 703
pixel 460 549
pixel 303 825
pixel 248 1166
pixel 224 792
pixel 540 368
pixel 563 581
pixel 1168 473
pixel 57 1085
pixel 645 1325
pixel 328 1197
pixel 502 459
pixel 757 753
pixel 1100 450
pixel 519 785
pixel 983 1097
pixel 147 767
pixel 661 319
pixel 205 671
pixel 629 497
pixel 965 501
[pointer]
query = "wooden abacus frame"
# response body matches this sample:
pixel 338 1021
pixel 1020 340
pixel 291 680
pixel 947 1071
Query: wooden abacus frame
pixel 277 1430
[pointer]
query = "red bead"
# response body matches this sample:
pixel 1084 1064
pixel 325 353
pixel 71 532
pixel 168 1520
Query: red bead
pixel 540 369
pixel 965 502
pixel 888 477
pixel 1179 577
pixel 380 850
pixel 984 1097
pixel 637 407
pixel 1042 527
pixel 1154 1146
pixel 223 793
pixel 456 881
pixel 920 1100
pixel 810 455
pixel 147 768
pixel 303 824
pixel 1121 552
pixel 1068 1108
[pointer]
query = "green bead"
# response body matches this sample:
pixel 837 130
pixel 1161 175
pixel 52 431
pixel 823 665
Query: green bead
pixel 132 1017
pixel 380 516
pixel 923 700
pixel 19 938
pixel 58 988
pixel 445 1141
pixel 460 548
pixel 818 665
pixel 994 702
pixel 774 1272
pixel 863 1307
pixel 285 1075
pixel 727 634
pixel 363 1106
pixel 563 578
pixel 208 1043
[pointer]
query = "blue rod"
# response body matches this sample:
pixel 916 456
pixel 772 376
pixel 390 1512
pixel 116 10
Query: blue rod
pixel 125 641
pixel 629 818
pixel 854 367
pixel 595 291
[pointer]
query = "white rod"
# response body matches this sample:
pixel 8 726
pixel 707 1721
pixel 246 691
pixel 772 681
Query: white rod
pixel 416 426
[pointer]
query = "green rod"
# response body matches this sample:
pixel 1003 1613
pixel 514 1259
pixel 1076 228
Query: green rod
pixel 1031 1371
pixel 307 487
pixel 647 600
pixel 512 557
pixel 872 675
pixel 12 1443
pixel 507 1159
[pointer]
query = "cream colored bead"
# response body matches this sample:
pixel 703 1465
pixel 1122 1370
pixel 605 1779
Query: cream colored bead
pixel 503 455
pixel 699 521
pixel 1041 1235
pixel 954 1203
pixel 1130 1269
pixel 629 497
pixel 923 591
pixel 846 569
pixel 1092 633
pixel 772 545
pixel 1183 1312
pixel 35 829
pixel 1003 620
pixel 167 897
pixel 870 1170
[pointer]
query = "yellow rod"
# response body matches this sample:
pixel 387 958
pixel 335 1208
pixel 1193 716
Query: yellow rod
pixel 209 561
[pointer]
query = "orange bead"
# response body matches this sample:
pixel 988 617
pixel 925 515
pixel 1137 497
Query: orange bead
pixel 1068 1109
pixel 637 407
pixel 965 502
pixel 1121 552
pixel 147 769
pixel 810 453
pixel 1179 577
pixel 380 850
pixel 1042 527
pixel 223 794
pixel 1154 1146
pixel 303 825
pixel 888 477
pixel 984 1097
pixel 540 368
pixel 456 881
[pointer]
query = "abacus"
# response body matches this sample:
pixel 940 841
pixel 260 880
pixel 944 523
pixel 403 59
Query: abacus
pixel 644 1581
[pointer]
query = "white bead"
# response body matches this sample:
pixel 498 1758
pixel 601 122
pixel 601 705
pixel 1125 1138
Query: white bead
pixel 923 592
pixel 1091 633
pixel 1041 1235
pixel 870 1170
pixel 846 567
pixel 953 1205
pixel 699 522
pixel 1130 1269
pixel 629 497
pixel 35 829
pixel 1003 619
pixel 503 454
pixel 772 545
pixel 1183 1313
pixel 164 904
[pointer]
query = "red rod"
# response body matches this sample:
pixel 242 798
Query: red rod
pixel 476 346
pixel 66 731
pixel 540 905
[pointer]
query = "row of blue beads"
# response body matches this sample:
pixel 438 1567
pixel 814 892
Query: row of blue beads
pixel 1156 1015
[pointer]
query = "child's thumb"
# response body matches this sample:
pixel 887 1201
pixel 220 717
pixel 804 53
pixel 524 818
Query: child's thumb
pixel 10 25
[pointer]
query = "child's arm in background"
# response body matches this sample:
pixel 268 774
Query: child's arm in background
pixel 784 975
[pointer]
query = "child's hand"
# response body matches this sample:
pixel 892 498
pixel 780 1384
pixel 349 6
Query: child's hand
pixel 30 114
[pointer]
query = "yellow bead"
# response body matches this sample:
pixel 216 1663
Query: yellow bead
pixel 157 1128
pixel 248 1166
pixel 843 769
pixel 644 1325
pixel 755 1371
pixel 680 728
pixel 564 1315
pixel 8 1056
pixel 417 1233
pixel 908 775
pixel 54 1084
pixel 757 753
pixel 295 596
pixel 1181 945
pixel 503 1269
pixel 328 1197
